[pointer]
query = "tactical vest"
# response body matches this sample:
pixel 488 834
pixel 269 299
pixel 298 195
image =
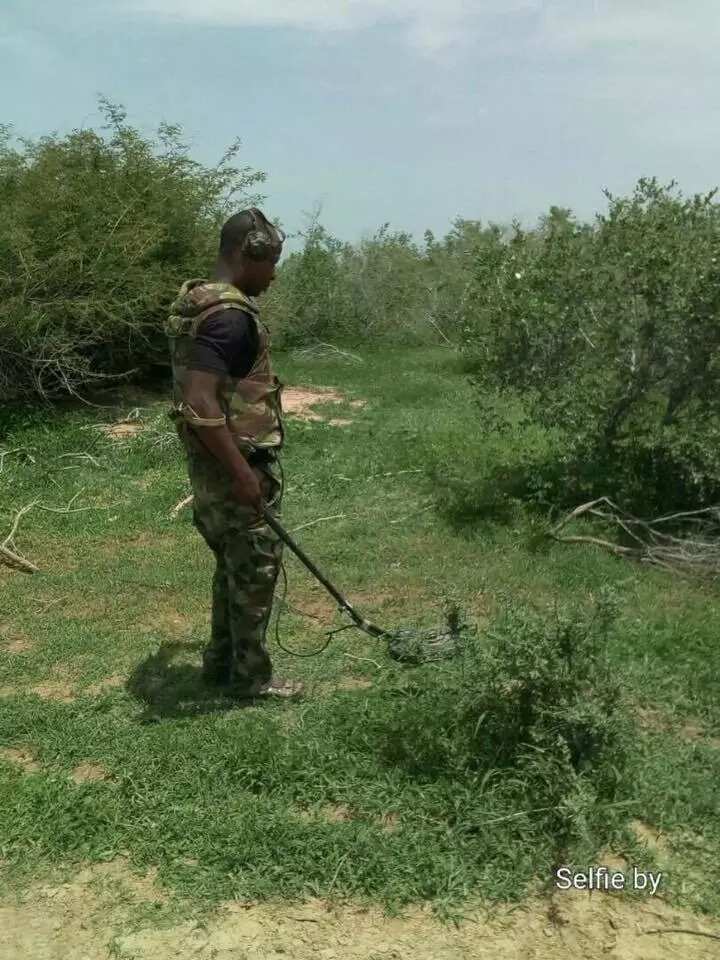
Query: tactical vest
pixel 252 404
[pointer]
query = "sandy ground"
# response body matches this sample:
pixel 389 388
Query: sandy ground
pixel 86 919
pixel 297 402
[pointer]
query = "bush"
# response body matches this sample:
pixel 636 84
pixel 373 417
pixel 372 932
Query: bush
pixel 97 233
pixel 535 707
pixel 384 290
pixel 609 335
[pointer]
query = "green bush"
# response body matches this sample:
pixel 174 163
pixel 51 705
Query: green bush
pixel 97 233
pixel 609 335
pixel 534 706
pixel 385 289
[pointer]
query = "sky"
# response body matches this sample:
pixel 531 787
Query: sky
pixel 411 112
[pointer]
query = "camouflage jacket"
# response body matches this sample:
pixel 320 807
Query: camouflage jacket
pixel 252 404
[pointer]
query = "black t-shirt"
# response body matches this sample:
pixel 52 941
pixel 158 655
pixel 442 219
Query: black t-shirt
pixel 227 343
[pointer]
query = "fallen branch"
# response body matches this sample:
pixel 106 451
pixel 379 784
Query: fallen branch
pixel 181 506
pixel 311 523
pixel 690 933
pixel 328 348
pixel 698 554
pixel 363 659
pixel 6 453
pixel 431 320
pixel 8 551
pixel 81 456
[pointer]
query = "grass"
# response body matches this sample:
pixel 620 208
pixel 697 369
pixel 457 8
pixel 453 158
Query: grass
pixel 100 653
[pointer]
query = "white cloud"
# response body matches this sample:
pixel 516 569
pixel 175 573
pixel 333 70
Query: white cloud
pixel 431 26
pixel 443 29
pixel 657 28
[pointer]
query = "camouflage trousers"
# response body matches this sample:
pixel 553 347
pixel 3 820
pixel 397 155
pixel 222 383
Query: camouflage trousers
pixel 247 563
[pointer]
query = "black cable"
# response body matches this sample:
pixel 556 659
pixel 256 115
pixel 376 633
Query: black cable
pixel 294 653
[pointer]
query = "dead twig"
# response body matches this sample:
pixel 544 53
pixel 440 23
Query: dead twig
pixel 7 453
pixel 328 348
pixel 181 506
pixel 81 456
pixel 311 523
pixel 433 323
pixel 8 550
pixel 351 656
pixel 690 933
pixel 672 551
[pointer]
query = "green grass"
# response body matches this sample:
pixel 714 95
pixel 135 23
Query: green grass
pixel 233 801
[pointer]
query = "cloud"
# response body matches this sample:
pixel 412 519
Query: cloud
pixel 431 26
pixel 446 29
pixel 647 29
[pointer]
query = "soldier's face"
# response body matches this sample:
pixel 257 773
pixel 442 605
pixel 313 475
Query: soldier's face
pixel 258 275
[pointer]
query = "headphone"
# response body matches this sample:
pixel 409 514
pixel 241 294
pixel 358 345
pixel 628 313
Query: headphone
pixel 265 240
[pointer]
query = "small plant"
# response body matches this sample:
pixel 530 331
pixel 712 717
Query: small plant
pixel 534 704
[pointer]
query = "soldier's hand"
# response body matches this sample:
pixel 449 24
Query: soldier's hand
pixel 247 493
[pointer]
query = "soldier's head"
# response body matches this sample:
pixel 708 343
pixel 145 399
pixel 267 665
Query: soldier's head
pixel 250 247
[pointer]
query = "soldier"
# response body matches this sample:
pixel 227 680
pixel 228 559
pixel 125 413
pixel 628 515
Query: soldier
pixel 228 413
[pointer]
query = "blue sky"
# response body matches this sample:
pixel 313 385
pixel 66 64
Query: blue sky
pixel 413 112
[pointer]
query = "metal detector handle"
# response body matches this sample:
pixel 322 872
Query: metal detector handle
pixel 303 557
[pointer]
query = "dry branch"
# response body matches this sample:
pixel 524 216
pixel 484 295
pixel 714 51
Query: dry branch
pixel 181 505
pixel 698 552
pixel 8 551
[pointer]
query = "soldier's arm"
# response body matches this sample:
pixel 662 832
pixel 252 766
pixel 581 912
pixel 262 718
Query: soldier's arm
pixel 203 414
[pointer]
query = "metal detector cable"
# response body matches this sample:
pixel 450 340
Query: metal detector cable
pixel 283 602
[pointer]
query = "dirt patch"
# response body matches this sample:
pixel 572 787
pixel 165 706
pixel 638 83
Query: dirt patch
pixel 315 603
pixel 353 683
pixel 59 690
pixel 657 722
pixel 21 757
pixel 108 683
pixel 330 813
pixel 80 920
pixel 654 839
pixel 121 430
pixel 168 621
pixel 59 686
pixel 15 642
pixel 89 773
pixel 390 822
pixel 298 402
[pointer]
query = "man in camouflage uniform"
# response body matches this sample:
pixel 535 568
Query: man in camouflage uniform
pixel 228 412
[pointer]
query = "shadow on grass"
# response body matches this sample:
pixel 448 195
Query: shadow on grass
pixel 169 689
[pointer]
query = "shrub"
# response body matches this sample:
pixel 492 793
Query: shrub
pixel 534 706
pixel 97 232
pixel 610 335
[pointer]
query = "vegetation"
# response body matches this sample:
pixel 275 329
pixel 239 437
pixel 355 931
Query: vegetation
pixel 98 230
pixel 606 339
pixel 391 783
pixel 503 370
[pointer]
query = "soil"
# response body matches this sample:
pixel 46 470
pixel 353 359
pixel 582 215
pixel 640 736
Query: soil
pixel 656 721
pixel 16 642
pixel 299 401
pixel 87 919
pixel 89 773
pixel 21 757
pixel 121 431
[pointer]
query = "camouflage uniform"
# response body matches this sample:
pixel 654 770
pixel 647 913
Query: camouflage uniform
pixel 247 554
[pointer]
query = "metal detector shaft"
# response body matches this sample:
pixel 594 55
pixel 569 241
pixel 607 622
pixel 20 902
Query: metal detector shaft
pixel 359 621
